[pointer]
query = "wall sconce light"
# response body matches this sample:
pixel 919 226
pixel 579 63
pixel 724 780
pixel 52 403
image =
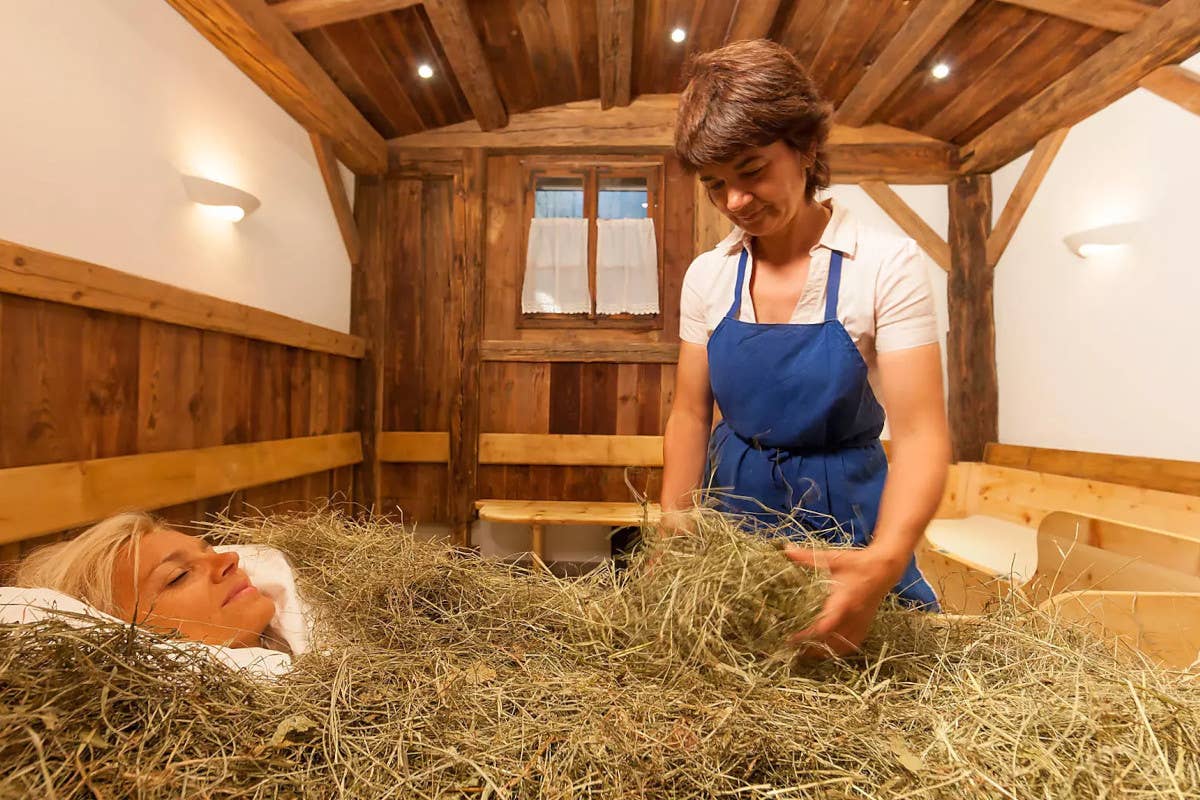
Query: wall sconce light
pixel 1101 240
pixel 218 199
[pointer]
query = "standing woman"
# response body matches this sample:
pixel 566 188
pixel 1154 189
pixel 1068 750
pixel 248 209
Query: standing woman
pixel 792 324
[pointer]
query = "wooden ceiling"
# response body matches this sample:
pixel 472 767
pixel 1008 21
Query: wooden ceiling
pixel 495 58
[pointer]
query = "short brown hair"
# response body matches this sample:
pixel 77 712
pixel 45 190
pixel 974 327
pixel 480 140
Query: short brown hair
pixel 751 94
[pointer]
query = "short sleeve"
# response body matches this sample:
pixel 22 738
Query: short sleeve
pixel 904 311
pixel 693 322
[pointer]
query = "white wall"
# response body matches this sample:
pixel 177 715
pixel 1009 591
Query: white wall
pixel 106 103
pixel 1100 354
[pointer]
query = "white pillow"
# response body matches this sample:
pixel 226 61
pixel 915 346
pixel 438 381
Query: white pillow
pixel 267 568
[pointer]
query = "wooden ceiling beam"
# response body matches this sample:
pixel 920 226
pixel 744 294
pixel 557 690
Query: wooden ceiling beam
pixel 1121 16
pixel 909 221
pixel 751 19
pixel 1177 84
pixel 922 31
pixel 343 212
pixel 304 15
pixel 614 24
pixel 252 36
pixel 1022 194
pixel 878 152
pixel 452 23
pixel 1167 35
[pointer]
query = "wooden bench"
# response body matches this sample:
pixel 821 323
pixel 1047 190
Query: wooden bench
pixel 540 513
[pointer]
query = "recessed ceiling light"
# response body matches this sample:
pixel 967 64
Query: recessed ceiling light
pixel 940 70
pixel 425 71
pixel 678 35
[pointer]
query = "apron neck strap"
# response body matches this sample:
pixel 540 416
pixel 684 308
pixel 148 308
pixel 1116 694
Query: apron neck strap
pixel 734 309
pixel 833 285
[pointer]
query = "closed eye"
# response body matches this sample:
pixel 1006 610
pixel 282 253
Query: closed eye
pixel 751 172
pixel 178 578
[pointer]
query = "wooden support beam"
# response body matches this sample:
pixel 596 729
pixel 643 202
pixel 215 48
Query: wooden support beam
pixel 368 318
pixel 591 351
pixel 571 449
pixel 922 32
pixel 971 341
pixel 47 276
pixel 752 19
pixel 1167 35
pixel 1022 194
pixel 414 447
pixel 253 37
pixel 1121 16
pixel 303 15
pixel 466 303
pixel 1177 84
pixel 614 24
pixel 54 497
pixel 909 221
pixel 879 152
pixel 710 225
pixel 452 23
pixel 342 210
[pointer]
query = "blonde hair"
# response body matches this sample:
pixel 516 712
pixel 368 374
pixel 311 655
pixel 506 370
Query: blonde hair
pixel 83 567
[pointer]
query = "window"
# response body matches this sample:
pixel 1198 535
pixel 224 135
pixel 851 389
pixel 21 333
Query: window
pixel 592 248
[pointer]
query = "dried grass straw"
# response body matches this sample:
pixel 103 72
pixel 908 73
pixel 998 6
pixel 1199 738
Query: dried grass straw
pixel 447 675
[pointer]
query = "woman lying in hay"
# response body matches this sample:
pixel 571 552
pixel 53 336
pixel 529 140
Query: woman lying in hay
pixel 442 674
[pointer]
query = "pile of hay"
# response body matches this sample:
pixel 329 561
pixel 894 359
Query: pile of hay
pixel 446 675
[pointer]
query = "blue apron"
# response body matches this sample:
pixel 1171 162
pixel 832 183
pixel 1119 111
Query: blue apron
pixel 799 438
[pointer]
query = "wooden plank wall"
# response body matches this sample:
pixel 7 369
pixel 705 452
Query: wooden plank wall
pixel 83 384
pixel 550 396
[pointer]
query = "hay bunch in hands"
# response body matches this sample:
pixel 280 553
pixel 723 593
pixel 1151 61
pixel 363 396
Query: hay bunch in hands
pixel 444 675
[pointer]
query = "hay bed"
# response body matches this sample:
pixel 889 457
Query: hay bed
pixel 445 675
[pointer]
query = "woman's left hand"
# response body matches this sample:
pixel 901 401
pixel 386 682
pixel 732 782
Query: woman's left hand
pixel 860 579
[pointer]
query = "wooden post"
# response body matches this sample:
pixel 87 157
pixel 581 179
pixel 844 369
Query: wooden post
pixel 368 319
pixel 971 342
pixel 538 543
pixel 466 298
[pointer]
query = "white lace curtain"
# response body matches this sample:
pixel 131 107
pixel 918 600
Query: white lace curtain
pixel 626 267
pixel 556 275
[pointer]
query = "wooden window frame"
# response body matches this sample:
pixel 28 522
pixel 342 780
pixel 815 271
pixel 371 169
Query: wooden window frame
pixel 592 169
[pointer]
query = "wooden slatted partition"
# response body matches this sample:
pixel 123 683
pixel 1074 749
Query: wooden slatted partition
pixel 100 368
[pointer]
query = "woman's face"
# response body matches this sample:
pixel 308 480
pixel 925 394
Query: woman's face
pixel 182 584
pixel 761 190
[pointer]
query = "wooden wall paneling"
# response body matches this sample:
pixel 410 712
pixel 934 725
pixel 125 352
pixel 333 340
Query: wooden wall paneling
pixel 971 341
pixel 597 450
pixel 565 398
pixel 503 257
pixel 627 399
pixel 650 421
pixel 437 338
pixel 33 273
pixel 404 375
pixel 42 373
pixel 110 384
pixel 666 396
pixel 415 447
pixel 598 398
pixel 711 226
pixel 1182 477
pixel 254 38
pixel 302 15
pixel 169 402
